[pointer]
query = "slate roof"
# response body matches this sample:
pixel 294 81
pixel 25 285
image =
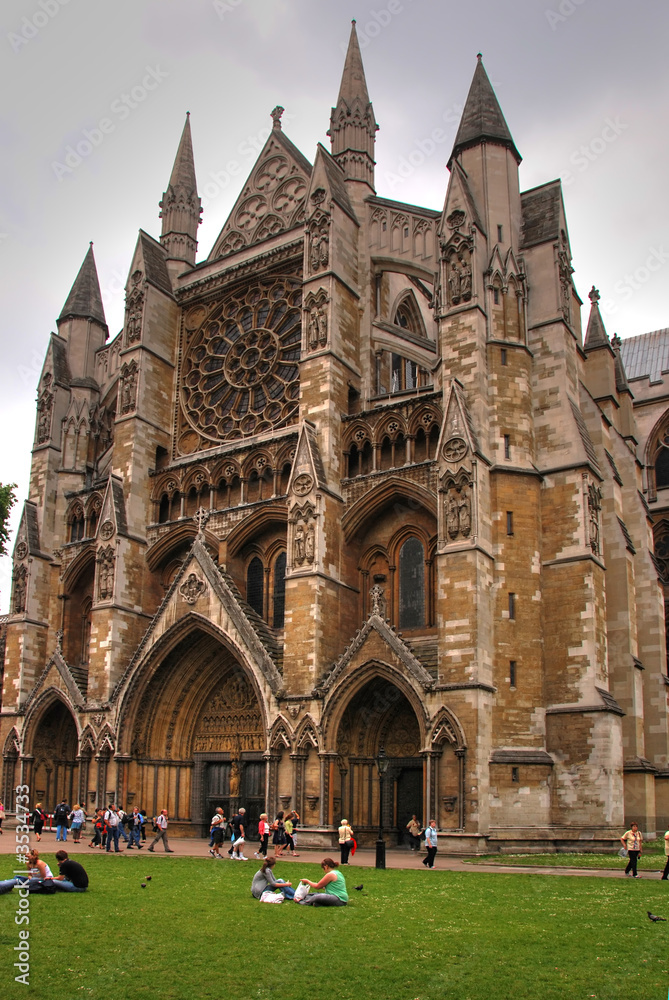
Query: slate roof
pixel 585 435
pixel 646 356
pixel 482 119
pixel 337 181
pixel 85 300
pixel 541 214
pixel 154 257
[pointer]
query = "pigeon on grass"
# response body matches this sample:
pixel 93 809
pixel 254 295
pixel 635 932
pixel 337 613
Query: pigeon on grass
pixel 651 916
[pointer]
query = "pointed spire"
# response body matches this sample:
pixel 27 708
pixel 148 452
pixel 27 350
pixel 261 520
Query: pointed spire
pixel 85 300
pixel 595 335
pixel 181 206
pixel 622 385
pixel 482 119
pixel 352 124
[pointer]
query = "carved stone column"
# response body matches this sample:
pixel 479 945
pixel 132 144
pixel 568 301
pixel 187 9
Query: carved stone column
pixel 299 762
pixel 198 791
pixel 271 782
pixel 461 754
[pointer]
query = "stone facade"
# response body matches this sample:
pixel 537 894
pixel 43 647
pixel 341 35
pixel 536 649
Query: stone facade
pixel 353 482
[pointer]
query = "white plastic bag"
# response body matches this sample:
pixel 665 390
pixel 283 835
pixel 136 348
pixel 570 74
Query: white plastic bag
pixel 271 897
pixel 301 891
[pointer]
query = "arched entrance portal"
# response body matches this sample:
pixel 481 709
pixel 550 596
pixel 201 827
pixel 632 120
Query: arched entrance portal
pixel 198 737
pixel 379 715
pixel 54 771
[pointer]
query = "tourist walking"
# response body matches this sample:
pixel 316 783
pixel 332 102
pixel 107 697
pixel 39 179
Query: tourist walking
pixel 278 835
pixel 38 820
pixel 2 816
pixel 414 828
pixel 632 840
pixel 160 826
pixel 112 821
pixel 665 873
pixel 263 833
pixel 430 844
pixel 290 840
pixel 238 821
pixel 136 821
pixel 345 841
pixel 218 823
pixel 60 816
pixel 77 820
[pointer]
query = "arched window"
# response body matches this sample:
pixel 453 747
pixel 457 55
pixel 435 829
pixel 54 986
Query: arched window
pixel 412 584
pixel 77 525
pixel 279 590
pixel 662 469
pixel 164 509
pixel 408 317
pixel 255 585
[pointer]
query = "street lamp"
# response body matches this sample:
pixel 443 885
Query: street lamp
pixel 382 766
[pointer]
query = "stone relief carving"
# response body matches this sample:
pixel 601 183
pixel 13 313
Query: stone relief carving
pixel 134 305
pixel 565 271
pixel 106 560
pixel 594 497
pixel 317 319
pixel 102 427
pixel 129 373
pixel 302 484
pixel 304 535
pixel 455 449
pixel 231 721
pixel 458 506
pixel 319 242
pixel 378 604
pixel 44 410
pixel 20 578
pixel 192 588
pixel 107 530
pixel 21 549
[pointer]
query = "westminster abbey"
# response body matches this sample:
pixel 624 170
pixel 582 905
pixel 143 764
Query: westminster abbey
pixel 353 484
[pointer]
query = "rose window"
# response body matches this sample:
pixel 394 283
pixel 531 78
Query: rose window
pixel 240 371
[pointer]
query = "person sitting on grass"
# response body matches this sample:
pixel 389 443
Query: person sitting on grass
pixel 73 877
pixel 38 878
pixel 333 886
pixel 264 880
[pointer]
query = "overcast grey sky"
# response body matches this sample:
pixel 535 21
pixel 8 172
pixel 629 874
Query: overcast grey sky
pixel 582 83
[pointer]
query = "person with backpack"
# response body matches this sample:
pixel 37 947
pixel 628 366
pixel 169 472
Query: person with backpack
pixel 38 820
pixel 60 818
pixel 136 823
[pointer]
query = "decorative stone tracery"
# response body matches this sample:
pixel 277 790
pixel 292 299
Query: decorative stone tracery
pixel 240 371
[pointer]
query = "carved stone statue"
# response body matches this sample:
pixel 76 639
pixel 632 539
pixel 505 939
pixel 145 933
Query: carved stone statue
pixel 299 546
pixel 313 329
pixel 465 280
pixel 44 408
pixel 309 544
pixel 464 515
pixel 452 520
pixel 454 284
pixel 105 560
pixel 235 778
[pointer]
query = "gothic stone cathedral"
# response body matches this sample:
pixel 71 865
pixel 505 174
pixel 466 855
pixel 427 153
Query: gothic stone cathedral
pixel 353 482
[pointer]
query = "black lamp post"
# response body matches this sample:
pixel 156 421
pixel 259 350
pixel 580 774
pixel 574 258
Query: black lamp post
pixel 382 765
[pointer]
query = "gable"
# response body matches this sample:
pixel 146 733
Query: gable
pixel 272 201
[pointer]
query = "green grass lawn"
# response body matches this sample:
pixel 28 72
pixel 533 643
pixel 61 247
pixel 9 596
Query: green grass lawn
pixel 195 932
pixel 651 861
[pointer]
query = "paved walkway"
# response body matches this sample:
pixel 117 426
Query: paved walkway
pixel 364 857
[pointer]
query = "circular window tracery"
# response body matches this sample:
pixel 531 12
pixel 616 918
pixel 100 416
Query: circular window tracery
pixel 240 371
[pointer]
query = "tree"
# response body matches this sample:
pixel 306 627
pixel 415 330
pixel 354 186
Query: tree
pixel 7 501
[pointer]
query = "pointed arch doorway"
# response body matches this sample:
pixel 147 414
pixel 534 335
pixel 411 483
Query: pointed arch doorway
pixel 379 715
pixel 53 766
pixel 197 734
